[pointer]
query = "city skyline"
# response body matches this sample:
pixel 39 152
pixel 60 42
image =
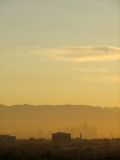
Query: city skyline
pixel 40 121
pixel 59 79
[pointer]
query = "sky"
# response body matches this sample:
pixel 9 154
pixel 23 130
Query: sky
pixel 60 52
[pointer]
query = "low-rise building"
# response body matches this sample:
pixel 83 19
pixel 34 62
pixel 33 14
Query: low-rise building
pixel 7 140
pixel 60 137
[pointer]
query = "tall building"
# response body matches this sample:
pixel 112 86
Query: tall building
pixel 7 140
pixel 67 130
pixel 73 132
pixel 86 131
pixel 80 136
pixel 60 137
pixel 94 132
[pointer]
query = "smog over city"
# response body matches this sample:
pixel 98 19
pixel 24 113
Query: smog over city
pixel 41 121
pixel 59 79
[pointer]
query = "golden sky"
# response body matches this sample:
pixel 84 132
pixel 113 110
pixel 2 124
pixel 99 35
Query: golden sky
pixel 60 52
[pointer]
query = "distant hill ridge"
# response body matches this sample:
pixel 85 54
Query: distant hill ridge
pixel 66 105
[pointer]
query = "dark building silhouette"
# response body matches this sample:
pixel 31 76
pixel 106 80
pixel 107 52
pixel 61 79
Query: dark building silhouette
pixel 80 136
pixel 60 137
pixel 7 140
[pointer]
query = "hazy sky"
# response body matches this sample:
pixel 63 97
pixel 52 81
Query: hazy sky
pixel 60 51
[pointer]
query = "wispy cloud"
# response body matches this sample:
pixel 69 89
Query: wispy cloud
pixel 81 53
pixel 101 70
pixel 105 79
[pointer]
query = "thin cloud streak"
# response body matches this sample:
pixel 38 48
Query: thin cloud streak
pixel 81 53
pixel 100 79
pixel 102 70
pixel 72 53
